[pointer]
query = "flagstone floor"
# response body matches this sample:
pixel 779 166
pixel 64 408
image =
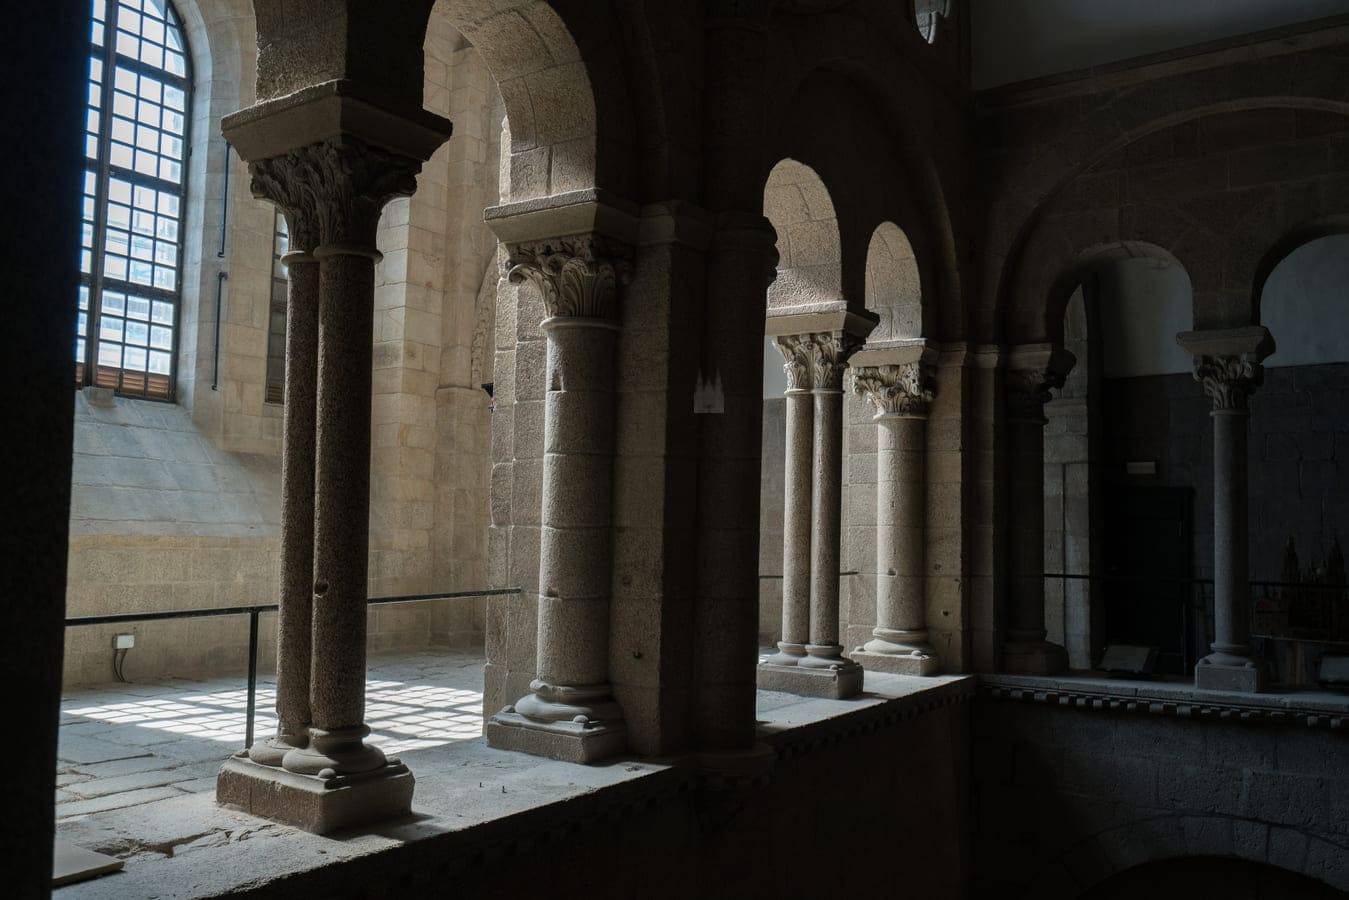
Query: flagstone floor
pixel 125 745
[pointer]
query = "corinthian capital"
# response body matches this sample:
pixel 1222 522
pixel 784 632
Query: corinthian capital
pixel 1228 380
pixel 896 390
pixel 1227 362
pixel 333 191
pixel 829 352
pixel 1032 372
pixel 577 275
pixel 795 350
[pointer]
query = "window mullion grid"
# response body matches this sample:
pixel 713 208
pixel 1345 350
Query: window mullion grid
pixel 102 176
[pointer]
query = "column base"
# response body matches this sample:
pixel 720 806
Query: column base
pixel 573 742
pixel 914 663
pixel 315 804
pixel 838 682
pixel 1224 672
pixel 788 654
pixel 1034 658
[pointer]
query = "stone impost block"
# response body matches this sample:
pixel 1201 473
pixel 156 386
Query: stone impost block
pixel 315 804
pixel 897 663
pixel 838 683
pixel 573 742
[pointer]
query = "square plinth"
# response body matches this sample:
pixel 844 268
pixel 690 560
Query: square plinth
pixel 572 742
pixel 835 684
pixel 1249 679
pixel 896 663
pixel 317 805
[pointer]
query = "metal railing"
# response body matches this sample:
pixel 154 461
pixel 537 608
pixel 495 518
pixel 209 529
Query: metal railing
pixel 1305 616
pixel 254 613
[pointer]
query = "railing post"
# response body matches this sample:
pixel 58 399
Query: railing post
pixel 252 675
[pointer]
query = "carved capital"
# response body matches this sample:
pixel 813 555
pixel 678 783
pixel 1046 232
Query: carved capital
pixel 577 275
pixel 1028 390
pixel 1033 370
pixel 334 191
pixel 795 350
pixel 1228 380
pixel 896 390
pixel 829 352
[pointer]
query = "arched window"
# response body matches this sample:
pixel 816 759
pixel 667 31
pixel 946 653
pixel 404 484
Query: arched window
pixel 131 249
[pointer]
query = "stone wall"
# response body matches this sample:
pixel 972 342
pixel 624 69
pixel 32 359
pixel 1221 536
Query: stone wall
pixel 176 506
pixel 771 487
pixel 1065 797
pixel 1299 456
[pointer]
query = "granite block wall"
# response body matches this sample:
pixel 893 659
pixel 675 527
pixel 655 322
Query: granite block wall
pixel 1065 797
pixel 1298 451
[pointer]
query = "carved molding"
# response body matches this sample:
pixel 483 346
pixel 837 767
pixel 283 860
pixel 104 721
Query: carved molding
pixel 1102 700
pixel 904 390
pixel 577 275
pixel 334 191
pixel 1229 381
pixel 829 352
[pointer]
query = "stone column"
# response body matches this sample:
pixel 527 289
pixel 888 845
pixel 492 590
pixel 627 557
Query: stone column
pixel 1033 370
pixel 276 180
pixel 334 779
pixel 1228 364
pixel 796 511
pixel 570 712
pixel 901 394
pixel 830 357
pixel 817 341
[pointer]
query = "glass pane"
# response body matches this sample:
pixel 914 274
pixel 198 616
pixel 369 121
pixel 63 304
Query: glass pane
pixel 141 272
pixel 109 328
pixel 162 313
pixel 110 355
pixel 114 302
pixel 135 358
pixel 161 338
pixel 159 362
pixel 115 267
pixel 137 308
pixel 137 333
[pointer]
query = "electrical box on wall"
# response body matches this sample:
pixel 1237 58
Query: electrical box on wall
pixel 124 642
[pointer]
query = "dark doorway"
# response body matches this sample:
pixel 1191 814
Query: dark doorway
pixel 1148 598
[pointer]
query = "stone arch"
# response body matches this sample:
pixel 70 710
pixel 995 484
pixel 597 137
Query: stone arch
pixel 1030 191
pixel 1096 859
pixel 1297 273
pixel 533 50
pixel 1197 875
pixel 1292 240
pixel 894 289
pixel 801 210
pixel 1054 261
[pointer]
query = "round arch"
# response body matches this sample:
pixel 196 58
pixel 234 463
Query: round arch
pixel 1032 191
pixel 801 210
pixel 1166 838
pixel 894 289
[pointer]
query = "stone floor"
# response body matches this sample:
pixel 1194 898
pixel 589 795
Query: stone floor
pixel 137 766
pixel 125 745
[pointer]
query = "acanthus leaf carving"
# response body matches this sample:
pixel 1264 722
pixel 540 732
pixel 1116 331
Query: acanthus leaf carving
pixel 333 191
pixel 1228 380
pixel 903 389
pixel 577 275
